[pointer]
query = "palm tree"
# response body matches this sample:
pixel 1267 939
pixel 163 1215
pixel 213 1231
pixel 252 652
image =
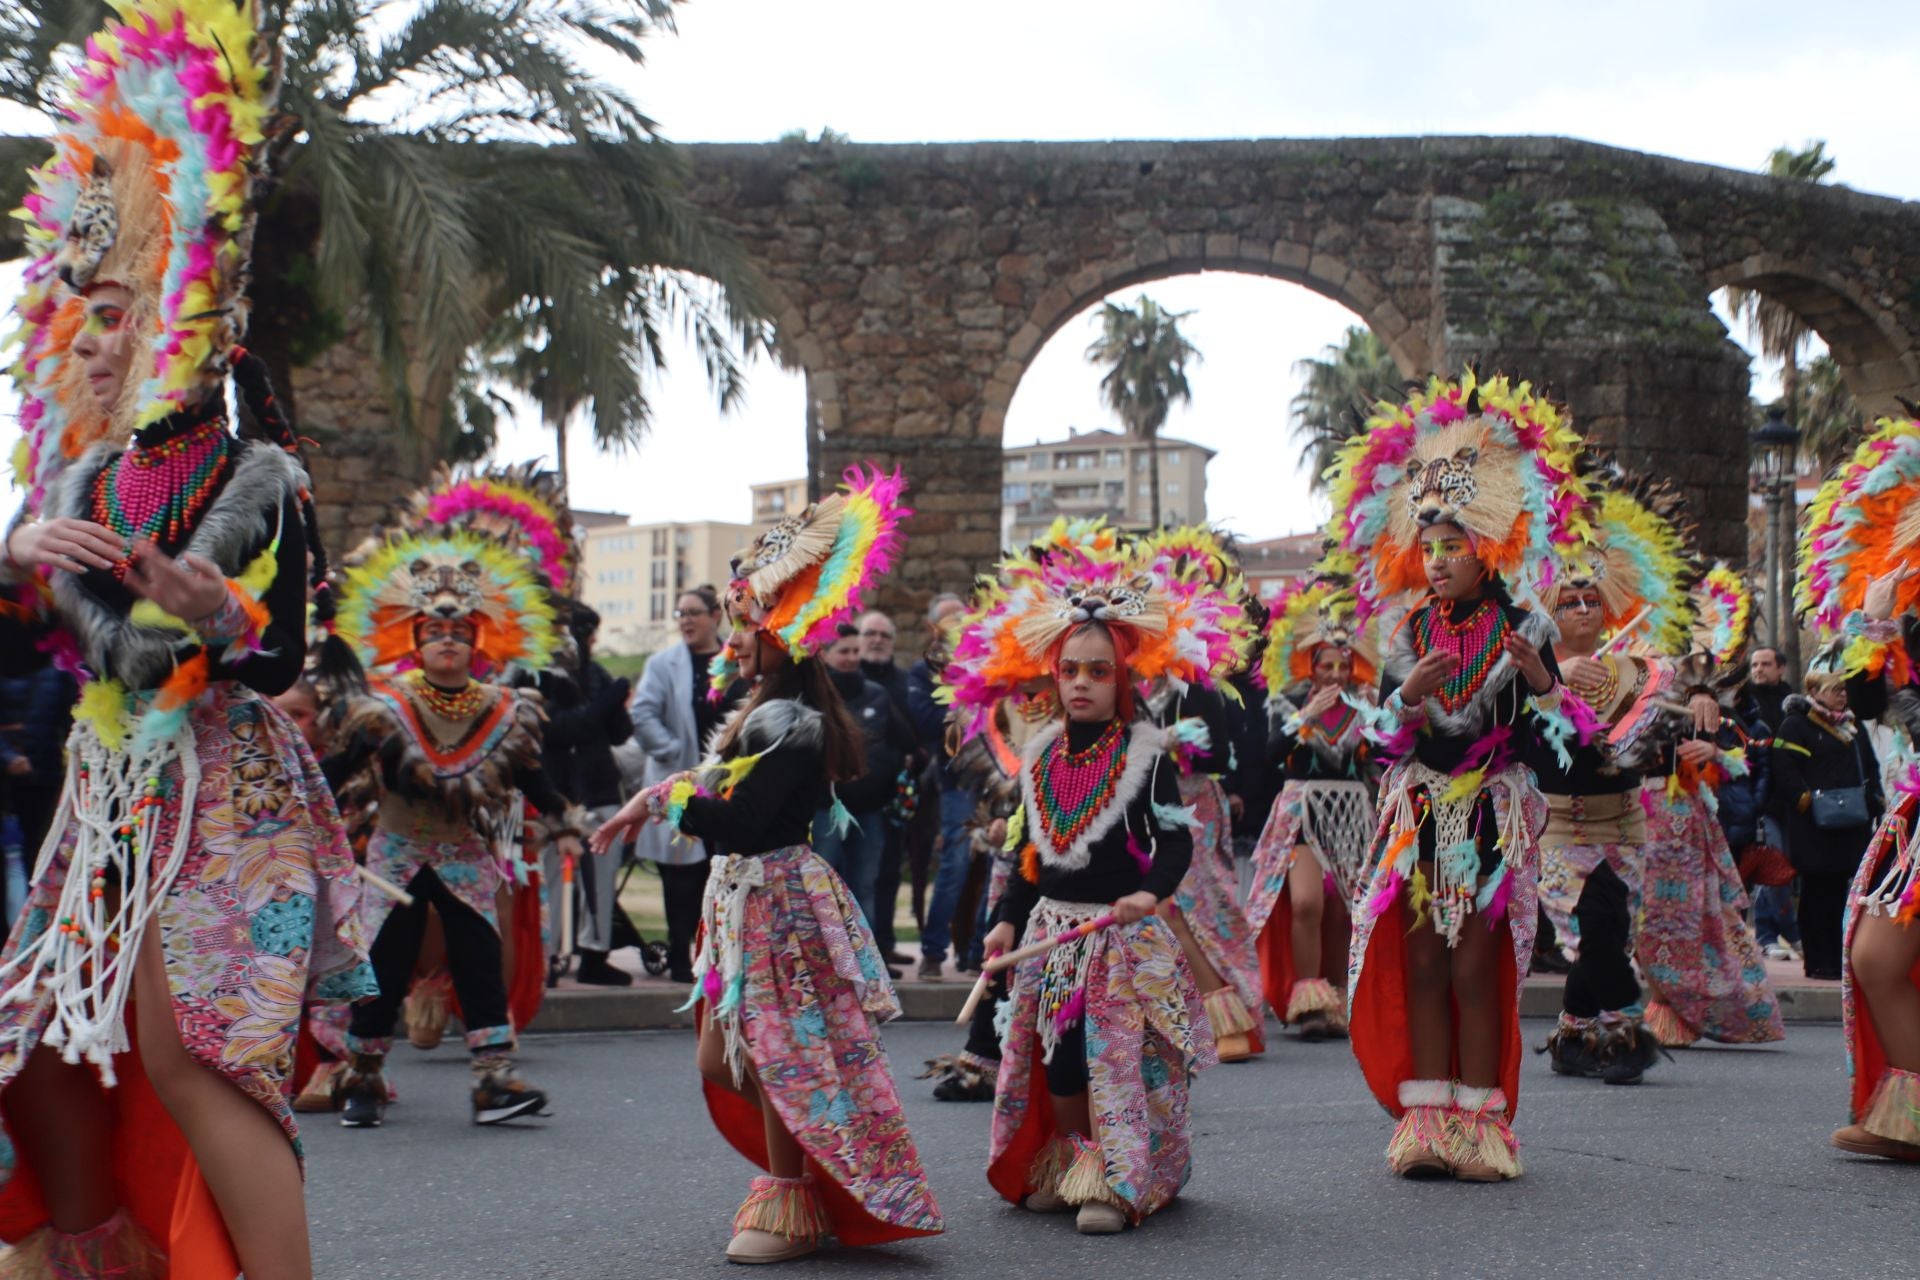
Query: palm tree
pixel 1780 334
pixel 1830 423
pixel 469 174
pixel 1337 395
pixel 1146 357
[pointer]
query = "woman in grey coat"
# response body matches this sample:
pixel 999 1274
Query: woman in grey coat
pixel 672 719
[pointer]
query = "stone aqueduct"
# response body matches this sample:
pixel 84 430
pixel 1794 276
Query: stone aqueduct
pixel 915 283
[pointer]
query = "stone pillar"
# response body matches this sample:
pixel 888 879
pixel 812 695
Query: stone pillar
pixel 1591 301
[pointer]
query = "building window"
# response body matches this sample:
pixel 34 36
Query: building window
pixel 1013 493
pixel 1085 461
pixel 1017 463
pixel 659 574
pixel 1173 488
pixel 1171 457
pixel 659 542
pixel 1043 488
pixel 1146 490
pixel 1140 462
pixel 1114 460
pixel 682 539
pixel 679 575
pixel 657 608
pixel 1116 491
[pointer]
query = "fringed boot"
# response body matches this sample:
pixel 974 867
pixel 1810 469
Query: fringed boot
pixel 429 1006
pixel 1312 1006
pixel 1232 1024
pixel 321 1092
pixel 1422 1143
pixel 1628 1049
pixel 1485 1149
pixel 1891 1127
pixel 781 1219
pixel 1668 1027
pixel 117 1249
pixel 1085 1185
pixel 363 1091
pixel 1573 1047
pixel 1049 1167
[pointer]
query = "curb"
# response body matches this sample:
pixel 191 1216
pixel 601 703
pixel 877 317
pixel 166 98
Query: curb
pixel 654 1008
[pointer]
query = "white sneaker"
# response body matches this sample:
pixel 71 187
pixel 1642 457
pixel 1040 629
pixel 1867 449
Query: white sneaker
pixel 1779 951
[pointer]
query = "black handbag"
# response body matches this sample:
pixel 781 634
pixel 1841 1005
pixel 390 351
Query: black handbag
pixel 1843 808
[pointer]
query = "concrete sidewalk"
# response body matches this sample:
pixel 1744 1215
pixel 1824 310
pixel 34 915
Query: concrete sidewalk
pixel 650 1003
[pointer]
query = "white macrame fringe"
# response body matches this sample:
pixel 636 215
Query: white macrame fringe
pixel 86 980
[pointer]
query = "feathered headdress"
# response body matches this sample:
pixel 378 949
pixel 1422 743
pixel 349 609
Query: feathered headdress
pixel 520 503
pixel 1631 549
pixel 811 572
pixel 1863 523
pixel 1166 621
pixel 1722 605
pixel 150 187
pixel 1310 614
pixel 1491 457
pixel 454 575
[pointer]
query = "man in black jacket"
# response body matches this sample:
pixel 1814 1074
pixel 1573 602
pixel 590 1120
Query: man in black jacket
pixel 853 844
pixel 877 637
pixel 586 719
pixel 1762 710
pixel 953 852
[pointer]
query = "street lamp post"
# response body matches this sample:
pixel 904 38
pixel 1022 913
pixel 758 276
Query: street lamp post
pixel 1775 455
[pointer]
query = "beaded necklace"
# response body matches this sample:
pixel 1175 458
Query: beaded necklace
pixel 1071 789
pixel 1475 641
pixel 456 705
pixel 1336 720
pixel 158 491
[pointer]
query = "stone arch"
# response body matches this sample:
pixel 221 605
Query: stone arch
pixel 1875 354
pixel 1331 276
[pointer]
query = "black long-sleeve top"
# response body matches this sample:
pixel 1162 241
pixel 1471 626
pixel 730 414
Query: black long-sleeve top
pixel 1208 707
pixel 1443 750
pixel 1295 758
pixel 773 806
pixel 1112 872
pixel 1592 774
pixel 255 500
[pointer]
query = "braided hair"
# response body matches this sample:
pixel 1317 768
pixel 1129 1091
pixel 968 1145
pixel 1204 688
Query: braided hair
pixel 254 389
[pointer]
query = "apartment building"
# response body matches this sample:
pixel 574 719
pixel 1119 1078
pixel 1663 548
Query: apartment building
pixel 632 574
pixel 1099 473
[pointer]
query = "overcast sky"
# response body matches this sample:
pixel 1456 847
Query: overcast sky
pixel 1719 82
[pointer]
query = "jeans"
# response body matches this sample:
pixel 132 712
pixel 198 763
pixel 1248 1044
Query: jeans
pixel 1774 917
pixel 856 854
pixel 950 874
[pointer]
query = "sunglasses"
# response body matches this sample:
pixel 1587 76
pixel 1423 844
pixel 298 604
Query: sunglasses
pixel 1590 604
pixel 1440 550
pixel 690 613
pixel 1100 671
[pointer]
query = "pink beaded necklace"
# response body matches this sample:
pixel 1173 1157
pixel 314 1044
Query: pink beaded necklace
pixel 158 491
pixel 1072 788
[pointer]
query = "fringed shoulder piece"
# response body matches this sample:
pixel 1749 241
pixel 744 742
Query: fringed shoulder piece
pixel 241 520
pixel 1147 743
pixel 472 775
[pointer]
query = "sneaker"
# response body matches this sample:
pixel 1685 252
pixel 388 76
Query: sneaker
pixel 595 971
pixel 1779 951
pixel 500 1096
pixel 363 1102
pixel 931 970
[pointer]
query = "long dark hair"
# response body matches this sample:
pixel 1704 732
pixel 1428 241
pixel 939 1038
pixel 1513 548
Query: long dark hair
pixel 254 390
pixel 782 677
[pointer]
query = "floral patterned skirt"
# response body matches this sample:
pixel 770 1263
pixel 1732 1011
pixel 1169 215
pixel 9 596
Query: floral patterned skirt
pixel 1338 858
pixel 1376 965
pixel 1209 895
pixel 803 995
pixel 1146 1034
pixel 1693 941
pixel 1573 847
pixel 262 915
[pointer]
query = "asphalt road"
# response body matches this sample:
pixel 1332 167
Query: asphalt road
pixel 1717 1166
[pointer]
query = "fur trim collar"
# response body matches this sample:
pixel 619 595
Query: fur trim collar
pixel 1146 747
pixel 783 722
pixel 240 521
pixel 1472 721
pixel 468 780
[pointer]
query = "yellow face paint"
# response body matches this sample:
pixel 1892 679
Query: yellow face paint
pixel 1438 550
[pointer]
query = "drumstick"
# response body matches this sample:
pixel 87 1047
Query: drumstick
pixel 1625 629
pixel 384 885
pixel 977 994
pixel 1045 945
